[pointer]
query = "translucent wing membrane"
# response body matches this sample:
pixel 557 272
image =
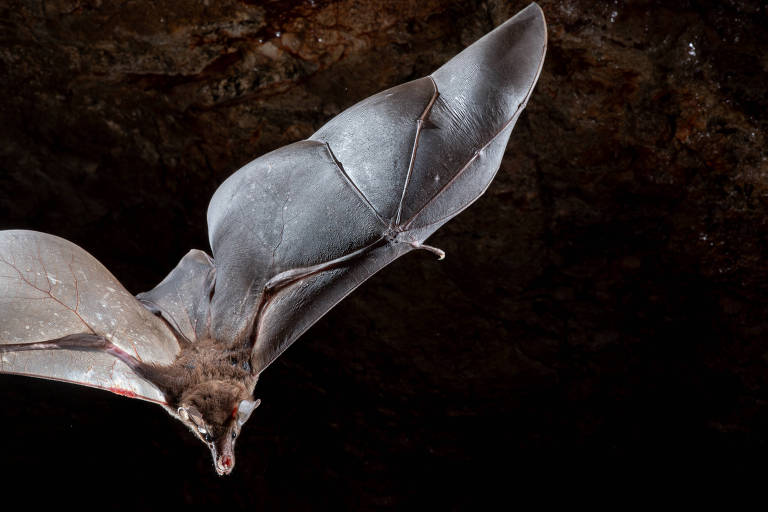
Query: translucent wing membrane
pixel 183 297
pixel 51 288
pixel 294 208
pixel 374 140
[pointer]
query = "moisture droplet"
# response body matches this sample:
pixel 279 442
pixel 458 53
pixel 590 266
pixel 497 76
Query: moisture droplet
pixel 691 50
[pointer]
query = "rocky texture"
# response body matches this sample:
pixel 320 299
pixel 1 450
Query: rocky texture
pixel 604 305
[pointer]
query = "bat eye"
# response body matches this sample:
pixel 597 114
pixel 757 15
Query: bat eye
pixel 206 435
pixel 234 434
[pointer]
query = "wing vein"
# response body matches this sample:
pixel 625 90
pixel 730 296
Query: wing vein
pixel 512 118
pixel 48 293
pixel 289 277
pixel 419 127
pixel 354 187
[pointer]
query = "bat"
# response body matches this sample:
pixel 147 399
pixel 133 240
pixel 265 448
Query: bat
pixel 291 234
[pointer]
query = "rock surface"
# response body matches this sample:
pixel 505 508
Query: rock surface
pixel 603 305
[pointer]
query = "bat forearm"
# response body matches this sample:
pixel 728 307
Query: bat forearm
pixel 70 342
pixel 81 342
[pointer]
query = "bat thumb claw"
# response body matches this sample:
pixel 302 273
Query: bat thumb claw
pixel 434 250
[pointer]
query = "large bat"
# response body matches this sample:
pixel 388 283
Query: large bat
pixel 292 233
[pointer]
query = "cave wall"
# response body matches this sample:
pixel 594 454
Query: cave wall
pixel 604 301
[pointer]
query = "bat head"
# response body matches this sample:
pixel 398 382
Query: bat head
pixel 216 411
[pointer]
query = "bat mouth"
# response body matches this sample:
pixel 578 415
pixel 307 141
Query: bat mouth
pixel 224 464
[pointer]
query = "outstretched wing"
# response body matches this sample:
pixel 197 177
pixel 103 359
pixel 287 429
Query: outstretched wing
pixel 51 288
pixel 296 230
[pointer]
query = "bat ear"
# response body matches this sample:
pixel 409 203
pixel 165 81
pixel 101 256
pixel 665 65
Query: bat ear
pixel 185 413
pixel 245 409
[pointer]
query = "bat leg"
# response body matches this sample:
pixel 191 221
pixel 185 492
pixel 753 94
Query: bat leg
pixel 434 250
pixel 84 342
pixel 293 275
pixel 167 319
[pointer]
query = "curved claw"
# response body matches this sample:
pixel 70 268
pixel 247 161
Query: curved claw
pixel 434 250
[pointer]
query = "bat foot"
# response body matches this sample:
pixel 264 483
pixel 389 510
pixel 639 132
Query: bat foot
pixel 434 250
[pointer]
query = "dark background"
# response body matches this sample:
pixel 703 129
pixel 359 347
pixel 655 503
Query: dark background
pixel 601 311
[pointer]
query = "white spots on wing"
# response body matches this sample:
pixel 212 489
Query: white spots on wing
pixel 111 289
pixel 52 279
pixel 436 178
pixel 26 327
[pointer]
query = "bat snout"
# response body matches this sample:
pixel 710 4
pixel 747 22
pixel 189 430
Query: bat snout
pixel 224 464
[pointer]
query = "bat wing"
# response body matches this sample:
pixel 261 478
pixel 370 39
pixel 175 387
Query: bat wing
pixel 183 297
pixel 298 229
pixel 279 228
pixel 51 288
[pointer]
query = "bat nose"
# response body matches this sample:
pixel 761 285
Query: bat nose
pixel 224 464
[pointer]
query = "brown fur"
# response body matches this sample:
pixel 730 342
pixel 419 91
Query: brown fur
pixel 208 382
pixel 204 371
pixel 204 387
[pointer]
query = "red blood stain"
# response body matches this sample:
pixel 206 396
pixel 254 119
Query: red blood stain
pixel 227 461
pixel 234 412
pixel 123 392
